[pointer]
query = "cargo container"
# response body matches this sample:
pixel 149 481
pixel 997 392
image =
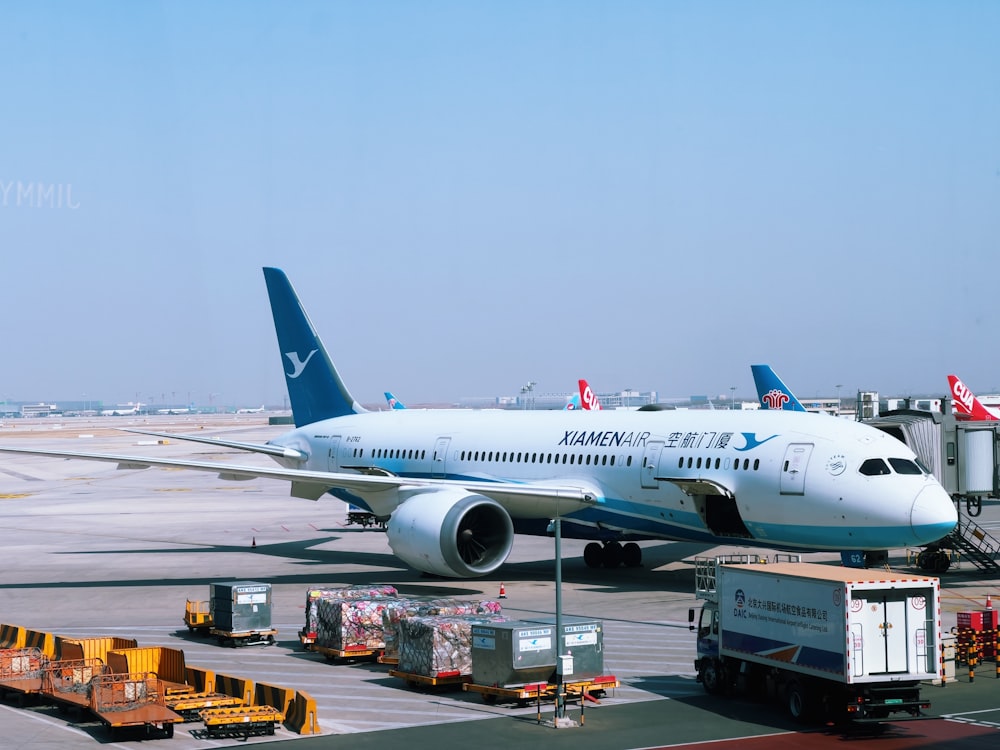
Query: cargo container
pixel 240 612
pixel 831 642
pixel 583 640
pixel 511 654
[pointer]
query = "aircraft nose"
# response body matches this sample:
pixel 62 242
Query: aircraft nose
pixel 933 514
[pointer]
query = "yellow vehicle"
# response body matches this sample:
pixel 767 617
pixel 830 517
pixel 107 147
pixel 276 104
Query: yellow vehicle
pixel 198 617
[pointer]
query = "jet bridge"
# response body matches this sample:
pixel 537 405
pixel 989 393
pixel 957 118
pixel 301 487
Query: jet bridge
pixel 964 455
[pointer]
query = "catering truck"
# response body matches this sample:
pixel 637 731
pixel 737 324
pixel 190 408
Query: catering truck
pixel 830 642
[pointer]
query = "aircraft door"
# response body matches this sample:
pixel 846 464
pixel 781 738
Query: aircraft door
pixel 793 468
pixel 333 462
pixel 440 458
pixel 650 463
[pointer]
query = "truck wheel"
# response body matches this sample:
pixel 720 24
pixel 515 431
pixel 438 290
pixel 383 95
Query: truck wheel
pixel 712 677
pixel 796 700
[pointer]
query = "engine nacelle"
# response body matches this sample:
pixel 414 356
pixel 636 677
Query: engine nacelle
pixel 451 533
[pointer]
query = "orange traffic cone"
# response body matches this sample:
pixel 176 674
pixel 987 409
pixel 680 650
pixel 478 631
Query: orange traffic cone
pixel 989 602
pixel 503 591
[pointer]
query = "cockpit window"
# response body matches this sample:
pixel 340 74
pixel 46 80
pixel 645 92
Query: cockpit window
pixel 874 467
pixel 904 466
pixel 923 467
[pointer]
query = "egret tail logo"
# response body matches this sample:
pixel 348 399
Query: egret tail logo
pixel 752 441
pixel 298 365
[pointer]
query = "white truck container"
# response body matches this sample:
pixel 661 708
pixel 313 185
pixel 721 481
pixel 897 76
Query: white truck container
pixel 831 642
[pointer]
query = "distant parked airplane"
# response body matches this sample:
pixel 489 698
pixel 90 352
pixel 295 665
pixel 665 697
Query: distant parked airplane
pixel 967 406
pixel 586 399
pixel 394 403
pixel 772 392
pixel 123 410
pixel 251 411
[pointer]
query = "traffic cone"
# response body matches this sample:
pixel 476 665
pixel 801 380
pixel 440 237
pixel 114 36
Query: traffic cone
pixel 253 544
pixel 989 602
pixel 503 591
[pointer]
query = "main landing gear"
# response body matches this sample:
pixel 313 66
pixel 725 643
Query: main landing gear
pixel 612 554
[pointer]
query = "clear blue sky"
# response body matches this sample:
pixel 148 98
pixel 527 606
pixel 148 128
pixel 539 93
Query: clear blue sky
pixel 468 196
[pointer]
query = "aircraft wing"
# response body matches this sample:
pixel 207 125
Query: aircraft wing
pixel 313 485
pixel 265 448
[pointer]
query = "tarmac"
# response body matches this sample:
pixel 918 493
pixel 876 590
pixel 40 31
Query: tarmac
pixel 88 550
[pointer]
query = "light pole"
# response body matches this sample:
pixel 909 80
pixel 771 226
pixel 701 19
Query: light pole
pixel 526 391
pixel 732 399
pixel 838 386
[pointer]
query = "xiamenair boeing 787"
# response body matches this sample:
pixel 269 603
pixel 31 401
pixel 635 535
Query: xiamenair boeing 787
pixel 455 486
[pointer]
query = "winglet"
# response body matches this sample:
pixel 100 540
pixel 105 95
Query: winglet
pixel 966 403
pixel 772 392
pixel 314 385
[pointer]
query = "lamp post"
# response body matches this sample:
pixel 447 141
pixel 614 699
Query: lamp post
pixel 526 391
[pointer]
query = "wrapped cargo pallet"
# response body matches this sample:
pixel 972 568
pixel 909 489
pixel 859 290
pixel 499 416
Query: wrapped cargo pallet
pixel 345 624
pixel 315 595
pixel 439 646
pixel 402 608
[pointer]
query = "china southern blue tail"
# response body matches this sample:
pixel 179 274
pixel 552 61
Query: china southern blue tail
pixel 314 386
pixel 394 403
pixel 773 393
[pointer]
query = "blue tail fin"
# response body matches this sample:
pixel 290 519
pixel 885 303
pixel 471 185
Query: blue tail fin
pixel 314 386
pixel 773 393
pixel 394 403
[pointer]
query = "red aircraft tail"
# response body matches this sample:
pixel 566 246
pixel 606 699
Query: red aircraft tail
pixel 967 406
pixel 588 399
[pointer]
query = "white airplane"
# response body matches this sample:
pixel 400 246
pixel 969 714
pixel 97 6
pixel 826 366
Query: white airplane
pixel 124 410
pixel 251 411
pixel 454 486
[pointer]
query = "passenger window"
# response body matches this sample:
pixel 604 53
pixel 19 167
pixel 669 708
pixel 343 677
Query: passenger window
pixel 874 467
pixel 904 466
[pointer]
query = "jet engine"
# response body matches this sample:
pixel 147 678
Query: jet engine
pixel 451 533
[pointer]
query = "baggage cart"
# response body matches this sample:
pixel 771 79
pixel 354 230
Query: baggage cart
pixel 120 701
pixel 245 637
pixel 522 695
pixel 67 681
pixel 452 679
pixel 241 722
pixel 350 653
pixel 190 705
pixel 21 671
